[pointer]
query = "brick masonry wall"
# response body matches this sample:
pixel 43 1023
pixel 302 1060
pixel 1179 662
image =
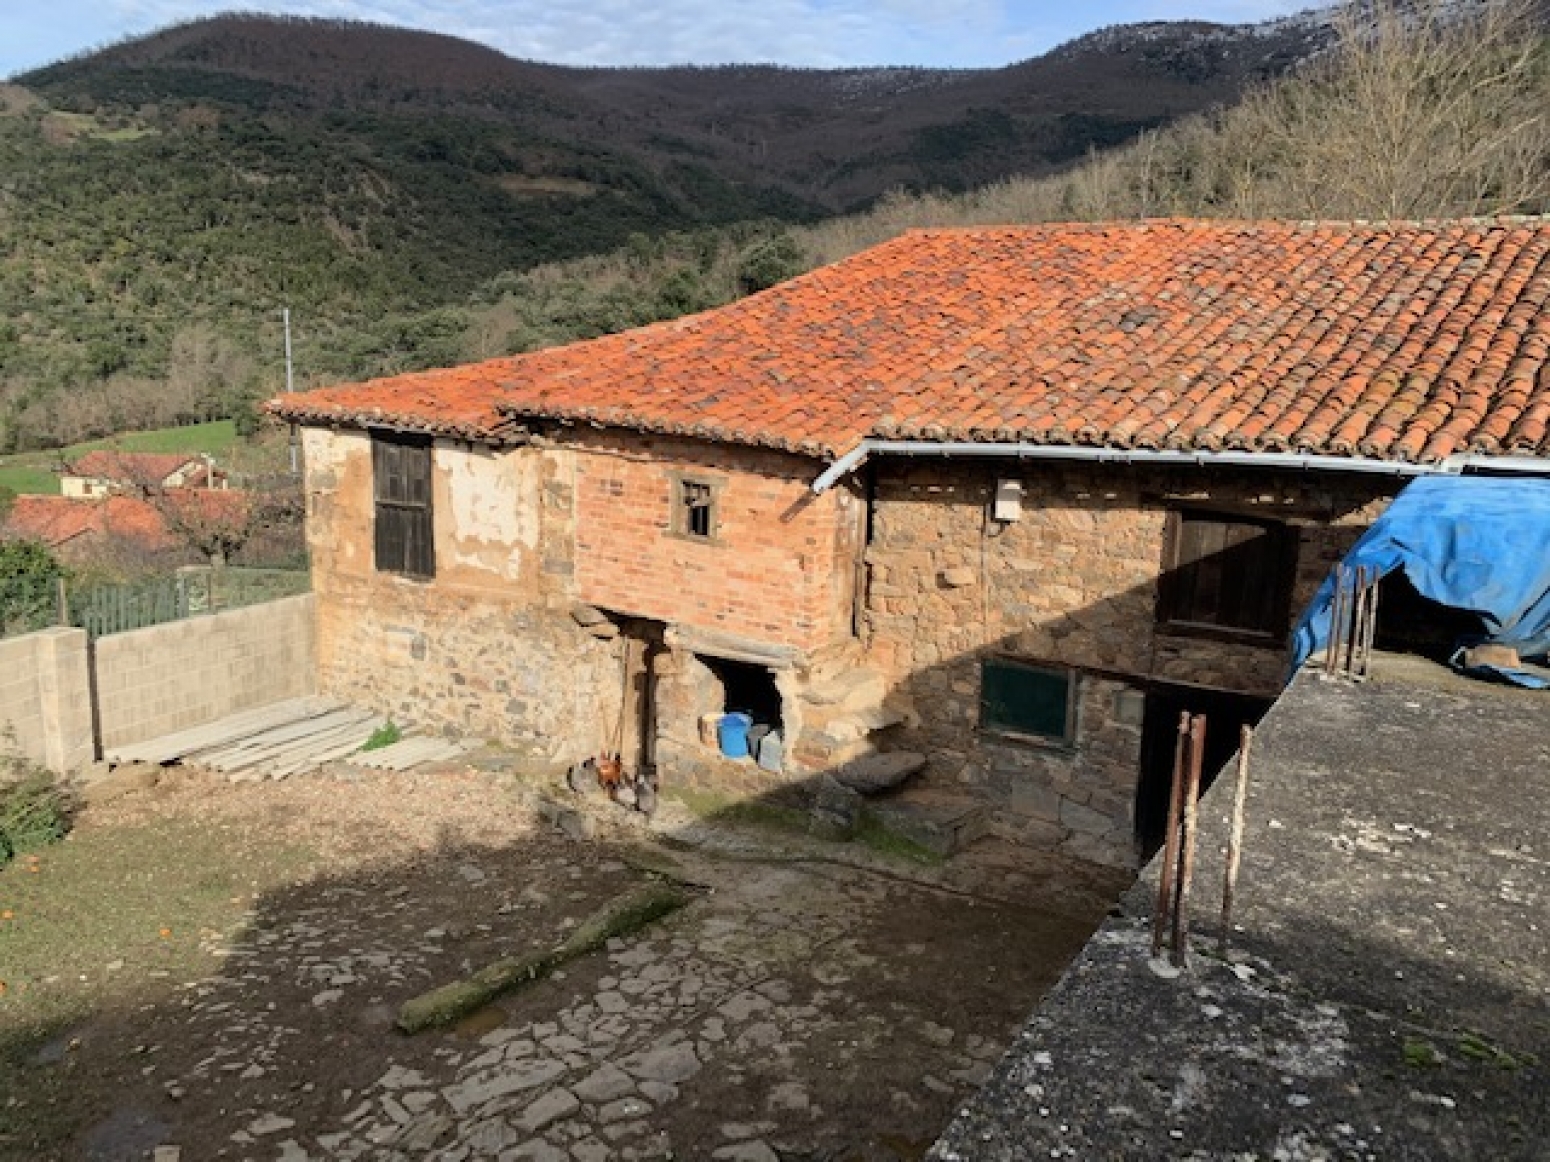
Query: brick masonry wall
pixel 166 678
pixel 1073 582
pixel 780 569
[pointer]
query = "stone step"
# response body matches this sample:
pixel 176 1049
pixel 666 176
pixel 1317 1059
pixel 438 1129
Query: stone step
pixel 818 751
pixel 939 821
pixel 851 725
pixel 874 774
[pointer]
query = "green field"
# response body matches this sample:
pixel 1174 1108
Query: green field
pixel 34 471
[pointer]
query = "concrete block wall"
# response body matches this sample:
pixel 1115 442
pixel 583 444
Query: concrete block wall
pixel 45 703
pixel 166 678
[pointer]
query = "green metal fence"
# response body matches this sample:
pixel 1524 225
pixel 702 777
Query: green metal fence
pixel 190 592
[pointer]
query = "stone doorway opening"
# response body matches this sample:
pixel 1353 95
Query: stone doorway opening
pixel 729 686
pixel 1225 712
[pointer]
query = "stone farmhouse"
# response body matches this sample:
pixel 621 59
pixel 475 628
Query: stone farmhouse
pixel 1008 497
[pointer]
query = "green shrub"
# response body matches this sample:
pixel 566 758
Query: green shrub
pixel 385 735
pixel 33 814
pixel 29 575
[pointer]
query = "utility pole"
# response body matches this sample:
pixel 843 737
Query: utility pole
pixel 290 386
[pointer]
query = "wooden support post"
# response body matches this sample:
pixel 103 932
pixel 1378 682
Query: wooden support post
pixel 1235 836
pixel 1336 622
pixel 1197 746
pixel 1162 917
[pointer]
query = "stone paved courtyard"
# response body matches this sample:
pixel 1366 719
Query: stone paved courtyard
pixel 798 1008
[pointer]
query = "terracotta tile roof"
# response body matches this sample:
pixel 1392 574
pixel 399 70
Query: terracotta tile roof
pixel 1409 341
pixel 453 401
pixel 131 467
pixel 59 520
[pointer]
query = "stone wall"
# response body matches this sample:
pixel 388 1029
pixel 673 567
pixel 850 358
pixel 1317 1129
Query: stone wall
pixel 532 542
pixel 780 568
pixel 169 677
pixel 1073 583
pixel 485 649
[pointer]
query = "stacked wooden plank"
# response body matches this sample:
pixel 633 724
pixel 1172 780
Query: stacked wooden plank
pixel 290 750
pixel 409 752
pixel 283 739
pixel 171 748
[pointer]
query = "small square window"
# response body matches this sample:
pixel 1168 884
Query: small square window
pixel 1030 701
pixel 694 508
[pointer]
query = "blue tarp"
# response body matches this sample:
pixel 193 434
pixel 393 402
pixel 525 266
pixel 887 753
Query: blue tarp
pixel 1477 543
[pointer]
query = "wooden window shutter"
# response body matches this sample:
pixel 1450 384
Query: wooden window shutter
pixel 1227 572
pixel 405 530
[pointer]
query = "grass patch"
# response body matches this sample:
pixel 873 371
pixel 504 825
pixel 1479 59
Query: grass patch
pixel 1421 1054
pixel 33 479
pixel 215 437
pixel 109 915
pixel 1475 1047
pixel 735 812
pixel 34 472
pixel 100 923
pixel 872 834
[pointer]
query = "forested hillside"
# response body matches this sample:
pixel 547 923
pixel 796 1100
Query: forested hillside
pixel 162 200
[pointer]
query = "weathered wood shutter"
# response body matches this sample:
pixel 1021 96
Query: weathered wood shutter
pixel 1226 572
pixel 401 474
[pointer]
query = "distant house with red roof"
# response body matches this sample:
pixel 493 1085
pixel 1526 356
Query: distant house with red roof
pixel 83 530
pixel 127 531
pixel 108 471
pixel 1006 497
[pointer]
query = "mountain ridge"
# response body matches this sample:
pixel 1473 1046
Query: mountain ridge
pixel 162 199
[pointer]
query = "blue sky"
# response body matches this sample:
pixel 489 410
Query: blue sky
pixel 820 33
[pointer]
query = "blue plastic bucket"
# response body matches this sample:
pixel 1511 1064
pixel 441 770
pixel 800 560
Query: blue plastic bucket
pixel 732 733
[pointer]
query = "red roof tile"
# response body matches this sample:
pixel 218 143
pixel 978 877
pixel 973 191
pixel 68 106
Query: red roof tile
pixel 58 520
pixel 131 467
pixel 1400 341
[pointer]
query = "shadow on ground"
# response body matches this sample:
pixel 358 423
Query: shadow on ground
pixel 812 1001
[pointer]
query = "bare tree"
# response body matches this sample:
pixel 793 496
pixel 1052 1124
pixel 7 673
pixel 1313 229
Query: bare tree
pixel 1418 111
pixel 217 523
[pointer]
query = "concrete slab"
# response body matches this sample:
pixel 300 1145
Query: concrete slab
pixel 1387 988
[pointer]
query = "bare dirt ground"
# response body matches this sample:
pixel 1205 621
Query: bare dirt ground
pixel 216 968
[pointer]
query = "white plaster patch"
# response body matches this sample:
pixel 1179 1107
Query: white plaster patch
pixel 492 503
pixel 327 451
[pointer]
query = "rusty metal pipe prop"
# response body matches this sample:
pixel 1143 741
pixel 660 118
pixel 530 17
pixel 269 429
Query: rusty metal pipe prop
pixel 1336 623
pixel 1235 835
pixel 1370 630
pixel 1197 747
pixel 1163 916
pixel 1359 630
pixel 1354 618
pixel 1358 615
